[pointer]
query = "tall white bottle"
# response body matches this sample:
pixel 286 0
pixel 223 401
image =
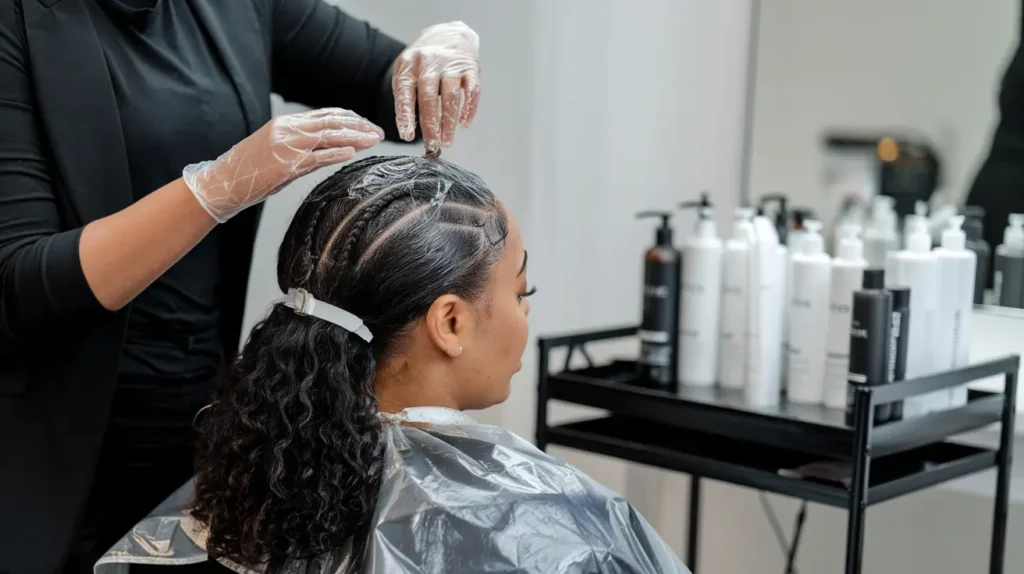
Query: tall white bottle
pixel 916 267
pixel 781 306
pixel 808 318
pixel 764 348
pixel 847 278
pixel 956 266
pixel 701 301
pixel 732 343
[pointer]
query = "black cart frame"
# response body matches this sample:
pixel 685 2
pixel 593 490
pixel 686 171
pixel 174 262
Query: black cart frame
pixel 715 435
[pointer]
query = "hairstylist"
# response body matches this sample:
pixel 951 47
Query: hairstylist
pixel 135 139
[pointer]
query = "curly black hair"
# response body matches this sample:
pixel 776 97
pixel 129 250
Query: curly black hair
pixel 291 453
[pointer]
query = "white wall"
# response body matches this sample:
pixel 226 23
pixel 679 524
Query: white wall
pixel 931 66
pixel 593 110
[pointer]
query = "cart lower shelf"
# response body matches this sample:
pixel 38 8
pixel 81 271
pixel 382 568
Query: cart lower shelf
pixel 758 466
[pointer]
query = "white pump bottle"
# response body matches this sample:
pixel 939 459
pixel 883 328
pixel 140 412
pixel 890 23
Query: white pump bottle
pixel 916 267
pixel 701 302
pixel 732 345
pixel 956 268
pixel 808 317
pixel 847 278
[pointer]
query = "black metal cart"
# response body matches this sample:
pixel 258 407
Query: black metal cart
pixel 715 435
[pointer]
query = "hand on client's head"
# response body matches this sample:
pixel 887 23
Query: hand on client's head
pixel 434 265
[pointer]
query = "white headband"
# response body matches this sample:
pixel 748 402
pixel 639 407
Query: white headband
pixel 305 304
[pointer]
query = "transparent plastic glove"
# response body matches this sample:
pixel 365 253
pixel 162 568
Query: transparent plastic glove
pixel 284 149
pixel 441 72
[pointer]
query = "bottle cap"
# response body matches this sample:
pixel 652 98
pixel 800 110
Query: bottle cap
pixel 919 241
pixel 954 237
pixel 900 297
pixel 873 278
pixel 1013 236
pixel 851 248
pixel 742 229
pixel 812 243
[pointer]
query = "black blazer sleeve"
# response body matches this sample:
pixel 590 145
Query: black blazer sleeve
pixel 42 286
pixel 322 57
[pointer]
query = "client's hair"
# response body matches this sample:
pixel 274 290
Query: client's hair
pixel 291 452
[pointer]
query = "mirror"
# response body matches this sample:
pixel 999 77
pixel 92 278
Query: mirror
pixel 877 112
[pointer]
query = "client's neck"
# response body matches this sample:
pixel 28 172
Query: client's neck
pixel 406 382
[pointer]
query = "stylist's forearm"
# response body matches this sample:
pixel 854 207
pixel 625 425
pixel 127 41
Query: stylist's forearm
pixel 124 253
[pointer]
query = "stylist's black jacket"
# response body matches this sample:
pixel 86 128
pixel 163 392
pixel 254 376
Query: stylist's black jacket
pixel 999 185
pixel 59 348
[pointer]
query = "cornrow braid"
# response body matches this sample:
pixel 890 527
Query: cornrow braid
pixel 308 250
pixel 371 209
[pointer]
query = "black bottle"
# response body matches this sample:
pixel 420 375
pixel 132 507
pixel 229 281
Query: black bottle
pixel 1008 279
pixel 898 343
pixel 659 329
pixel 870 339
pixel 973 227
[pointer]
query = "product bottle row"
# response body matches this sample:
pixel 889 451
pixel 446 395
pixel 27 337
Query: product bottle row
pixel 791 322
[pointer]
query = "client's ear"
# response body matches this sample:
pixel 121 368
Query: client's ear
pixel 448 322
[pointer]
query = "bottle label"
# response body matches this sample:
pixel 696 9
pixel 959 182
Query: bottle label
pixel 655 355
pixel 661 315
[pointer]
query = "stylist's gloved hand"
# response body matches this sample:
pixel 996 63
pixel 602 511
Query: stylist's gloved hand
pixel 284 149
pixel 440 72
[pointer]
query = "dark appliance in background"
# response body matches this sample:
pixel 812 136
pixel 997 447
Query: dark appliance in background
pixel 906 168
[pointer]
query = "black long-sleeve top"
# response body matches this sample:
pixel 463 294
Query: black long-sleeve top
pixel 176 106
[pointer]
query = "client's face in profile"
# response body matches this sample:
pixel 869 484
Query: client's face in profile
pixel 463 354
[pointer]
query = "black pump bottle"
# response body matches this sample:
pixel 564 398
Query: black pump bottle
pixel 659 329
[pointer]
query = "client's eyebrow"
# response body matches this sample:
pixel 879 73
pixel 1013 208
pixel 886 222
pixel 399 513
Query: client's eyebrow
pixel 523 268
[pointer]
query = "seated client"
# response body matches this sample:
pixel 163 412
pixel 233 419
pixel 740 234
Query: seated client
pixel 337 443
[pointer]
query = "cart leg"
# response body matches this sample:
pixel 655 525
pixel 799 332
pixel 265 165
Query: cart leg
pixel 859 481
pixel 1004 459
pixel 693 533
pixel 855 539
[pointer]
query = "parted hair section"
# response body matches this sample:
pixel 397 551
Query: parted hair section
pixel 291 452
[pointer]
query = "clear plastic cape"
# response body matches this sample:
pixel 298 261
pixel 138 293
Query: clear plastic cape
pixel 457 497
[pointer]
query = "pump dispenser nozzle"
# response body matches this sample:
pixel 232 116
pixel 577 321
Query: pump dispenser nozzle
pixel 812 241
pixel 705 224
pixel 703 206
pixel 663 236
